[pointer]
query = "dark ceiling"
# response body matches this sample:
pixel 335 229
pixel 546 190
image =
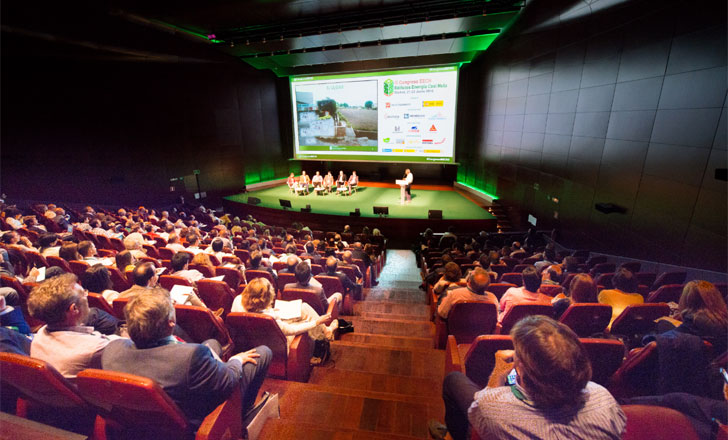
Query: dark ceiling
pixel 286 36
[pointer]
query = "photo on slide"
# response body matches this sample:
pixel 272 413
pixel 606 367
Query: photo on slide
pixel 337 116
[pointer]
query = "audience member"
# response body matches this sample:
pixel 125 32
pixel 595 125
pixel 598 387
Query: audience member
pixel 527 293
pixel 623 294
pixel 581 290
pixel 478 281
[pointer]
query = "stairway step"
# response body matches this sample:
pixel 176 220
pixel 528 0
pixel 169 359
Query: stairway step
pixel 286 429
pixel 394 327
pixel 387 340
pixel 383 360
pixel 428 387
pixel 396 295
pixel 389 308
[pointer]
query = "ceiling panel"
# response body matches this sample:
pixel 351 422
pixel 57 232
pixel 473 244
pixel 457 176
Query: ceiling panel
pixel 434 47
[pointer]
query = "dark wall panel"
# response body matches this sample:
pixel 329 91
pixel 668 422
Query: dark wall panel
pixel 621 102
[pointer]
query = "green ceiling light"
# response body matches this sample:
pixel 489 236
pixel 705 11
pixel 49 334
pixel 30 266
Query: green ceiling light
pixel 477 42
pixel 492 196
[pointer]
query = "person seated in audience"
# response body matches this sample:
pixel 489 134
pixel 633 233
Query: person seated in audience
pixel 291 182
pixel 303 182
pixel 193 243
pixel 65 342
pixel 69 252
pixel 125 261
pixel 582 289
pixel 307 282
pixel 328 181
pixel 217 249
pixel 448 281
pixel 516 249
pixel 570 265
pixel 291 263
pixel 353 181
pixel 350 286
pixel 256 263
pixel 358 254
pixel 12 238
pixel 133 243
pixel 310 253
pixel 484 262
pixel 527 293
pixel 552 397
pixel 13 217
pixel 478 281
pixel 192 375
pixel 12 341
pixel 623 294
pixel 180 268
pixel 174 244
pixel 49 244
pixel 203 259
pixel 551 276
pixel 87 251
pixel 548 259
pixel 259 297
pixel 703 313
pixel 12 318
pixel 97 279
pixel 347 259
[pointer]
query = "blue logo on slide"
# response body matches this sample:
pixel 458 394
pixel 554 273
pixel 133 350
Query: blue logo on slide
pixel 387 150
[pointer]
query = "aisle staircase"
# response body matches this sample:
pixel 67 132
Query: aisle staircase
pixel 383 381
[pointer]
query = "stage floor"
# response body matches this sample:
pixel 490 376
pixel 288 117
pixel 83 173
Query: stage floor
pixel 453 205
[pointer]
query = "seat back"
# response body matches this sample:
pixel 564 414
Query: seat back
pixel 646 278
pixel 520 311
pixel 602 268
pixel 201 324
pixel 279 265
pixel 672 277
pixel 510 262
pixel 78 267
pixel 59 262
pixel 38 381
pixel 206 271
pixel 587 319
pixel 216 295
pixel 118 307
pixel 165 253
pixel 136 403
pixel 596 259
pixel 666 293
pixel 248 330
pixel 480 358
pixel 605 355
pixel 632 266
pixel 648 422
pixel 309 297
pixel 638 319
pixel 550 289
pixel 330 284
pixel 605 280
pixel 169 281
pixel 243 254
pixel 285 278
pixel 251 274
pixel 98 301
pixel 512 278
pixel 36 259
pixel 151 251
pixel 316 269
pixel 498 289
pixel 232 276
pixel 518 268
pixel 349 272
pixel 23 291
pixel 469 319
pixel 117 244
pixel 500 269
pixel 119 280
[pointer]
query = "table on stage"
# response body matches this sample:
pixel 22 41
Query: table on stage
pixel 402 185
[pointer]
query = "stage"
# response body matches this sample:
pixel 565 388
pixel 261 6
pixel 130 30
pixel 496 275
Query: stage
pixel 332 211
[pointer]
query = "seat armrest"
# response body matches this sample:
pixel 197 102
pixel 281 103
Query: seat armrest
pixel 225 422
pixel 440 332
pixel 453 361
pixel 298 364
pixel 333 310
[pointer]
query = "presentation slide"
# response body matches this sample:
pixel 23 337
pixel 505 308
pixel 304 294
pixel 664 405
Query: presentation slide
pixel 396 116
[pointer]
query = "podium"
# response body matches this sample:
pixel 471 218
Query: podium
pixel 402 185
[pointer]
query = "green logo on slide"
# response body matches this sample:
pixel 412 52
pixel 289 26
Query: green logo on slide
pixel 388 87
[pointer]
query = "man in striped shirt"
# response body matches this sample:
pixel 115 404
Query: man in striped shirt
pixel 552 397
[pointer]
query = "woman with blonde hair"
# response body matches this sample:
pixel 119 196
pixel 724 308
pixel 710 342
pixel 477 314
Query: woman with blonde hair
pixel 704 313
pixel 259 297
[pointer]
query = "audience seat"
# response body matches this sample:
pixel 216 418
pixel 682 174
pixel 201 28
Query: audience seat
pixel 119 280
pixel 118 307
pixel 312 299
pixel 646 422
pixel 44 394
pixel 519 268
pixel 671 277
pixel 169 281
pixel 206 271
pixel 36 259
pixel 499 289
pixel 602 268
pixel 232 276
pixel 23 291
pixel 165 253
pixel 550 289
pixel 251 274
pixel 606 356
pixel 117 244
pixel 512 278
pixel 243 254
pixel 475 360
pixel 200 324
pixel 216 295
pixel 78 267
pixel 605 280
pixel 466 321
pixel 58 262
pixel 316 269
pixel 647 278
pixel 98 301
pixel 520 311
pixel 639 319
pixel 136 407
pixel 587 319
pixel 151 251
pixel 249 330
pixel 330 284
pixel 285 278
pixel 666 293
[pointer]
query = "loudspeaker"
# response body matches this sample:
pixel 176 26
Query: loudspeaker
pixel 306 209
pixel 285 203
pixel 608 208
pixel 434 214
pixel 356 213
pixel 253 201
pixel 381 210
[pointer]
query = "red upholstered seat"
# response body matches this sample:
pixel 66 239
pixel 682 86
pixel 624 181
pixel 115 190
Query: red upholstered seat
pixel 602 268
pixel 232 276
pixel 605 355
pixel 201 324
pixel 587 319
pixel 169 281
pixel 475 360
pixel 512 278
pixel 98 301
pixel 23 290
pixel 647 422
pixel 44 394
pixel 550 289
pixel 119 280
pixel 498 289
pixel 118 306
pixel 165 253
pixel 206 271
pixel 285 278
pixel 520 311
pixel 252 274
pixel 58 262
pixel 666 293
pixel 36 259
pixel 670 277
pixel 78 267
pixel 216 295
pixel 243 254
pixel 605 280
pixel 330 284
pixel 310 298
pixel 466 321
pixel 639 319
pixel 117 244
pixel 249 330
pixel 136 407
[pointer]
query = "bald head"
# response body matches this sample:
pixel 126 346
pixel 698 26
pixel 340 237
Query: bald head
pixel 292 261
pixel 479 280
pixel 346 256
pixel 331 265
